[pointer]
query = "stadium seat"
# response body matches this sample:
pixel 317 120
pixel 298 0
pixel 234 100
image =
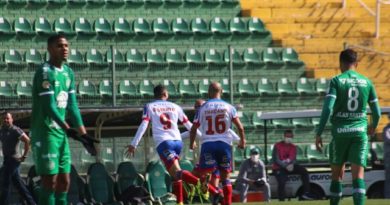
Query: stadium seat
pixel 313 155
pixel 199 26
pixel 218 26
pixel 237 59
pixel 105 89
pixel 259 123
pixel 238 26
pixel 226 88
pixel 321 86
pixel 180 27
pixel 282 123
pixel 175 59
pixel 214 59
pixel 128 89
pixel 305 87
pixel 302 123
pixel 14 60
pixel 77 2
pixel 170 86
pixel 22 26
pixel 115 2
pixel 135 59
pixel 246 120
pixel 161 27
pixel 290 58
pixel 107 153
pixel 285 87
pixel 204 87
pixel 76 192
pixel 146 89
pixel 100 185
pixel 43 27
pixel 95 59
pixel 86 89
pixel 141 27
pixel 186 165
pixel 37 2
pixel 256 26
pixel 24 89
pixel 63 26
pixel 158 181
pixel 6 91
pixel 265 88
pixel 5 27
pixel 187 88
pixel 57 2
pixel 252 59
pixel 17 2
pixel 120 61
pixel 271 59
pixel 238 157
pixel 127 175
pixel 155 60
pixel 83 27
pixel 194 59
pixel 193 2
pixel 76 60
pixel 102 27
pixel 210 2
pixel 122 27
pixel 301 155
pixel 246 88
pixel 33 58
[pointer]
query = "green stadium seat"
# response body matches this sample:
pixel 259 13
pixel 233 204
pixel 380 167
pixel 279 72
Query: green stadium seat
pixel 173 93
pixel 17 2
pixel 142 27
pixel 218 26
pixel 155 59
pixel 6 90
pixel 161 27
pixel 265 88
pixel 22 26
pixel 192 2
pixel 321 86
pixel 246 88
pixel 76 60
pixel 5 27
pixel 199 26
pixel 63 26
pixel 246 120
pixel 24 89
pixel 256 26
pixel 226 88
pixel 290 58
pixel 204 87
pixel 86 89
pixel 186 165
pixel 282 123
pixel 237 59
pixel 194 59
pixel 100 185
pixel 135 59
pixel 107 156
pixel 128 89
pixel 122 27
pixel 105 89
pixel 127 175
pixel 95 59
pixel 153 2
pixel 187 88
pixel 33 58
pixel 305 87
pixel 76 192
pixel 57 2
pixel 210 2
pixel 102 27
pixel 96 2
pixel 302 122
pixel 301 155
pixel 14 60
pixel 158 181
pixel 285 87
pixel 238 26
pixel 252 59
pixel 146 88
pixel 120 61
pixel 37 2
pixel 238 157
pixel 313 155
pixel 174 59
pixel 259 123
pixel 172 2
pixel 115 2
pixel 271 59
pixel 214 59
pixel 83 27
pixel 180 27
pixel 42 26
pixel 134 2
pixel 77 2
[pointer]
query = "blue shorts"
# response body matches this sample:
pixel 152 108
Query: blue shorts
pixel 215 155
pixel 169 151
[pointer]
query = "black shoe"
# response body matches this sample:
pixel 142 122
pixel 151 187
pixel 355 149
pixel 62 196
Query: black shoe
pixel 308 196
pixel 217 198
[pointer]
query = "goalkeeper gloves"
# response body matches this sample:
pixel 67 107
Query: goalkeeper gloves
pixel 85 139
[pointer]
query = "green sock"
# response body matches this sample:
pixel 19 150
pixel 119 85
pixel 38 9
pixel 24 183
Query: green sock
pixel 336 191
pixel 359 192
pixel 46 197
pixel 62 198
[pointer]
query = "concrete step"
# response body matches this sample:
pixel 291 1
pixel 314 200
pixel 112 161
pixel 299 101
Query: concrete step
pixel 249 4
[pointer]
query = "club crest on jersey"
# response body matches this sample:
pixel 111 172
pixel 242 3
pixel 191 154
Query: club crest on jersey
pixel 46 84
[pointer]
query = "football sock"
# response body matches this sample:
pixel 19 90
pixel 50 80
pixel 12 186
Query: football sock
pixel 46 197
pixel 61 198
pixel 359 191
pixel 227 192
pixel 177 187
pixel 187 177
pixel 335 192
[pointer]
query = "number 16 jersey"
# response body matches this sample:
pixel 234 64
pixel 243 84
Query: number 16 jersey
pixel 214 119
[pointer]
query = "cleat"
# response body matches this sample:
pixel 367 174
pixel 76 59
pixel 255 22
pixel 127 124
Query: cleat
pixel 204 188
pixel 191 192
pixel 217 199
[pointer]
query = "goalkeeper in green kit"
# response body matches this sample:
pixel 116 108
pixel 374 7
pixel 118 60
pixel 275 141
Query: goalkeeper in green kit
pixel 345 104
pixel 53 96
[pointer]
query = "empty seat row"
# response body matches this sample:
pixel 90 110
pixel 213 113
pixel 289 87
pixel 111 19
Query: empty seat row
pixel 268 58
pixel 140 26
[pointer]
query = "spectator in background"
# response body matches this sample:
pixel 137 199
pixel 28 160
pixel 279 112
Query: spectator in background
pixel 386 157
pixel 284 157
pixel 252 176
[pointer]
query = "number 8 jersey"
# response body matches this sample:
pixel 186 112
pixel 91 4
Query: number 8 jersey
pixel 352 92
pixel 214 119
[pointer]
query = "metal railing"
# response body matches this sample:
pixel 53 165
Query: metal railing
pixel 376 13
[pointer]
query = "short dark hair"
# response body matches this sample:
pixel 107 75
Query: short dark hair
pixel 288 132
pixel 348 56
pixel 54 38
pixel 159 90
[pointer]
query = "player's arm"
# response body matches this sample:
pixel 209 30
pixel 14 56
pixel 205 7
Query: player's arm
pixel 234 135
pixel 241 133
pixel 193 132
pixel 140 131
pixel 375 110
pixel 73 109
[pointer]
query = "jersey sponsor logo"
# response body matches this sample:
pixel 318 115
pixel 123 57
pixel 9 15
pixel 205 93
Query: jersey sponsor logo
pixel 351 129
pixel 164 109
pixel 46 84
pixel 62 99
pixel 350 114
pixel 354 82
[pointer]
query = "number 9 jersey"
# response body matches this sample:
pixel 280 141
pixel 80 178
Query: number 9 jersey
pixel 214 119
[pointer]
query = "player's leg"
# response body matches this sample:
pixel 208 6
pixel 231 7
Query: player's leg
pixel 224 159
pixel 46 193
pixel 358 158
pixel 338 153
pixel 63 178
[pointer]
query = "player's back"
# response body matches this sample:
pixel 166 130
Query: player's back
pixel 352 91
pixel 164 116
pixel 215 119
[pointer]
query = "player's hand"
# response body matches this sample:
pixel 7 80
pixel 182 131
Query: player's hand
pixel 192 145
pixel 259 183
pixel 371 132
pixel 85 139
pixel 241 144
pixel 22 158
pixel 290 167
pixel 319 144
pixel 130 151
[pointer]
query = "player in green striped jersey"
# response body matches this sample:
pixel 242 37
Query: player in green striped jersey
pixel 345 104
